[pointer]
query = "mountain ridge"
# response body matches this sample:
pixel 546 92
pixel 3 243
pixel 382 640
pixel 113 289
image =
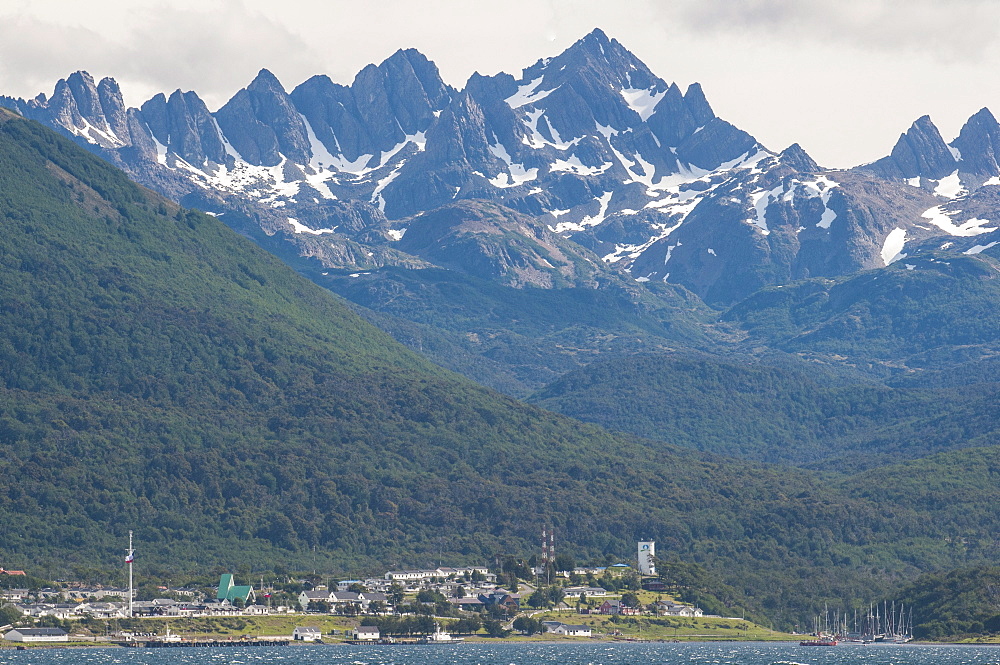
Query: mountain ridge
pixel 590 142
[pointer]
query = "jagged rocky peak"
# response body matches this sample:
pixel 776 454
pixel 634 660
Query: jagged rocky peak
pixel 109 95
pixel 84 91
pixel 978 145
pixel 95 112
pixel 184 125
pixel 797 158
pixel 919 152
pixel 385 104
pixel 410 77
pixel 600 74
pixel 262 124
pixel 678 116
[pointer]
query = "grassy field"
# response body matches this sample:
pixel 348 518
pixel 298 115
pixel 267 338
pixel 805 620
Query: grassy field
pixel 335 627
pixel 666 628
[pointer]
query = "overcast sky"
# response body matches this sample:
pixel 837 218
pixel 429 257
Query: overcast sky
pixel 841 77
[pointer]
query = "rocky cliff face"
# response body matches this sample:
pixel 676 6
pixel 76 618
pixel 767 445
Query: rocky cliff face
pixel 590 145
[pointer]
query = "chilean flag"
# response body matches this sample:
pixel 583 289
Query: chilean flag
pixel 129 558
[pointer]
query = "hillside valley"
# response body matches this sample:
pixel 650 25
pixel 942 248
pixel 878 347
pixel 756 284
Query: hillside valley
pixel 302 338
pixel 163 374
pixel 586 172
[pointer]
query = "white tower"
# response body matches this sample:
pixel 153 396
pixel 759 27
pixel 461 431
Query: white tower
pixel 647 556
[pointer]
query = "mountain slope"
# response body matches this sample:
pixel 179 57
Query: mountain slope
pixel 160 373
pixel 928 312
pixel 518 340
pixel 590 143
pixel 789 415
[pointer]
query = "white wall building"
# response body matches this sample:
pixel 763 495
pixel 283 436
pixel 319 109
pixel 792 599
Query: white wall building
pixel 37 635
pixel 367 633
pixel 572 631
pixel 307 634
pixel 647 556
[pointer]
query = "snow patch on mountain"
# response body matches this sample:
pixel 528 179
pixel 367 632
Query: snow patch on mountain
pixel 892 247
pixel 634 251
pixel 516 173
pixel 821 187
pixel 227 146
pixel 161 151
pixel 761 200
pixel 527 93
pixel 941 218
pixel 321 157
pixel 93 134
pixel 299 227
pixel 377 197
pixel 536 140
pixel 574 165
pixel 589 220
pixel 264 183
pixel 976 249
pixel 950 186
pixel 419 139
pixel 642 171
pixel 642 102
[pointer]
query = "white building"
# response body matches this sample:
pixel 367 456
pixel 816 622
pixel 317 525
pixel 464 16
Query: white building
pixel 37 635
pixel 307 634
pixel 367 633
pixel 572 631
pixel 443 573
pixel 590 591
pixel 257 610
pixel 647 557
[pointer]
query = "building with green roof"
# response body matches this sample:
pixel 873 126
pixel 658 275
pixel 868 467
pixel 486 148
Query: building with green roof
pixel 228 590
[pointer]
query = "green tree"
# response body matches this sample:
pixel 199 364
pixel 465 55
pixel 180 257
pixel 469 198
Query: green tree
pixel 429 596
pixel 321 606
pixel 395 594
pixel 494 628
pixel 9 614
pixel 527 625
pixel 565 562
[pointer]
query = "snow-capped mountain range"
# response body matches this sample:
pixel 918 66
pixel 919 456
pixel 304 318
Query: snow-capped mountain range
pixel 588 158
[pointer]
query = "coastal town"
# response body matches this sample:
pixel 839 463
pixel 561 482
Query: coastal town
pixel 508 599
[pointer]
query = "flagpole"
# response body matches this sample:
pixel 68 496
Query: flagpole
pixel 130 558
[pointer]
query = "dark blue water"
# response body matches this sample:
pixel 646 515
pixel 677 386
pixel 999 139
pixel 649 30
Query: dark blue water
pixel 520 654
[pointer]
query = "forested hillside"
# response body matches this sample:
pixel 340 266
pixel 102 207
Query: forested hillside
pixel 162 374
pixel 798 414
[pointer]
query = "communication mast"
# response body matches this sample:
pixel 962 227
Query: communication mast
pixel 129 558
pixel 548 551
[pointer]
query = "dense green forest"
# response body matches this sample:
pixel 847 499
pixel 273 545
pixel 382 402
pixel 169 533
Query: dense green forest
pixel 940 313
pixel 162 374
pixel 796 414
pixel 952 605
pixel 518 340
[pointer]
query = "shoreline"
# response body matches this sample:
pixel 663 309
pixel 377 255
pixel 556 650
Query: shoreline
pixel 488 640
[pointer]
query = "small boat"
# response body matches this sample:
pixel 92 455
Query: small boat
pixel 440 637
pixel 819 642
